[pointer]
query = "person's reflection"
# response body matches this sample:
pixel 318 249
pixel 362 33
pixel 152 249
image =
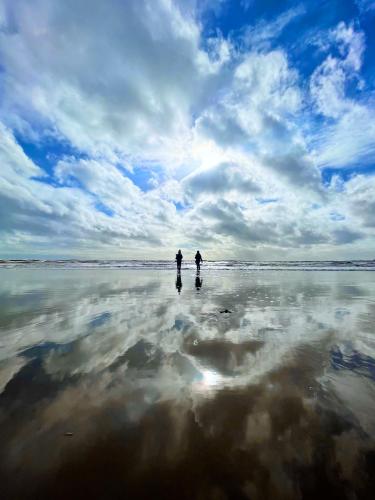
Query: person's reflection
pixel 179 283
pixel 198 282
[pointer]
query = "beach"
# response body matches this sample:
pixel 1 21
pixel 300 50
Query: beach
pixel 239 382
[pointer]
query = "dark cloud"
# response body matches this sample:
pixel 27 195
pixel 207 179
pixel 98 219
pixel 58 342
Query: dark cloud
pixel 343 236
pixel 221 179
pixel 229 219
pixel 297 168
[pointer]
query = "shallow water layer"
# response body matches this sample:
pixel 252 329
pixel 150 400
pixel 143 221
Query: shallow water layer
pixel 144 384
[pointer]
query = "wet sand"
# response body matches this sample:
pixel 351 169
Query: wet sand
pixel 136 384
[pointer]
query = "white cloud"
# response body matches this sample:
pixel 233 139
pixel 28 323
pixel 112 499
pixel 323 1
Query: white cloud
pixel 260 36
pixel 216 129
pixel 102 179
pixel 350 141
pixel 261 94
pixel 258 113
pixel 360 193
pixel 349 138
pixel 328 82
pixel 121 81
pixel 66 215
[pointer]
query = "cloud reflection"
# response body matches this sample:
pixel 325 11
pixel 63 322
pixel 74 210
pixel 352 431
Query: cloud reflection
pixel 158 387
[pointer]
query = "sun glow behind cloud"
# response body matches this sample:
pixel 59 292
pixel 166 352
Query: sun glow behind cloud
pixel 159 124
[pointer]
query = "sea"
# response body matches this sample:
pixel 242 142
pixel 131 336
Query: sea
pixel 249 380
pixel 216 265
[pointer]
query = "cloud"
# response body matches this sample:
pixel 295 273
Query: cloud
pixel 347 138
pixel 261 96
pixel 223 178
pixel 258 113
pixel 297 167
pixel 260 36
pixel 67 214
pixel 360 194
pixel 101 179
pixel 222 207
pixel 344 235
pixel 230 220
pixel 329 79
pixel 125 79
pixel 143 96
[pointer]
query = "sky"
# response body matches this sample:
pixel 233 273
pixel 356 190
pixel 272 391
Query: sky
pixel 132 128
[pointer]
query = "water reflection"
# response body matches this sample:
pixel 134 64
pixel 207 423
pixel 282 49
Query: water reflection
pixel 345 358
pixel 113 385
pixel 178 282
pixel 198 282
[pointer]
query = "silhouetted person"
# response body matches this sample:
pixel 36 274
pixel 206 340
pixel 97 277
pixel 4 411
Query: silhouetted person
pixel 198 282
pixel 178 283
pixel 198 260
pixel 179 258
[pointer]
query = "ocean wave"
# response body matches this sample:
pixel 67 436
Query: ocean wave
pixel 352 265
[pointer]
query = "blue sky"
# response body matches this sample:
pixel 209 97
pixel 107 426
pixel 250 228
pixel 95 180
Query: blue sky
pixel 245 128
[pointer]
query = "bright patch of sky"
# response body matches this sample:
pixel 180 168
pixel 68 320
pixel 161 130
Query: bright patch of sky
pixel 243 128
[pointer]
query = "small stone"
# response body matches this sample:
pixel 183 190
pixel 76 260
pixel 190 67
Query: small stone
pixel 70 434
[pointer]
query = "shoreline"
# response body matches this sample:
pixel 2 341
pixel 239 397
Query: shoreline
pixel 222 265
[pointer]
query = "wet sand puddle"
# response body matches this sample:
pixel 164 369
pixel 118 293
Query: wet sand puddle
pixel 126 384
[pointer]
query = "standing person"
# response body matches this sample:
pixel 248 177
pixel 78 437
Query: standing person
pixel 179 258
pixel 198 260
